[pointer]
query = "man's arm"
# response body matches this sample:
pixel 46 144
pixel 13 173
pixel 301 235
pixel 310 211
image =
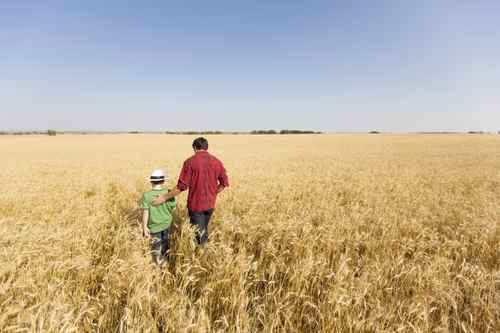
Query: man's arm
pixel 167 196
pixel 182 184
pixel 145 218
pixel 222 178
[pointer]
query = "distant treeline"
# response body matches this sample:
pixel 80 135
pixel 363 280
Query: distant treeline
pixel 252 132
pixel 283 132
pixel 47 132
pixel 53 132
pixel 469 132
pixel 255 132
pixel 439 132
pixel 200 132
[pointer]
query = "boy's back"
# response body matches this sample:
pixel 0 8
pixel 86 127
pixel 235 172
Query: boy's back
pixel 160 217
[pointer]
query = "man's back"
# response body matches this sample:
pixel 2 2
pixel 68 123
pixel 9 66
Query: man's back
pixel 202 174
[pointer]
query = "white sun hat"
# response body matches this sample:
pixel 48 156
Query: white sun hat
pixel 157 175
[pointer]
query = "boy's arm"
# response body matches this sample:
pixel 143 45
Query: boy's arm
pixel 145 215
pixel 145 218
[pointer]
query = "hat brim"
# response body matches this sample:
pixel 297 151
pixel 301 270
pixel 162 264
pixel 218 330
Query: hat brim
pixel 150 179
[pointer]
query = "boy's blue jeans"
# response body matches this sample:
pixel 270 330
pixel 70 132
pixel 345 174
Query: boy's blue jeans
pixel 160 245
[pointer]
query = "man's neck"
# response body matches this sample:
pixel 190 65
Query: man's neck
pixel 158 187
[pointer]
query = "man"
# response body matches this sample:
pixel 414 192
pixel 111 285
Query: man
pixel 205 177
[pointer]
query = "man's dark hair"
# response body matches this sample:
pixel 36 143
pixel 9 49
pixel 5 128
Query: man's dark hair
pixel 157 182
pixel 200 143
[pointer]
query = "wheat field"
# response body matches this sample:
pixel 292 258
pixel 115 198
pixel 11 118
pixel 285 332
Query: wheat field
pixel 317 233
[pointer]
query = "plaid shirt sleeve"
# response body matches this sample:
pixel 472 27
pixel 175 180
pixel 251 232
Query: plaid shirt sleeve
pixel 222 178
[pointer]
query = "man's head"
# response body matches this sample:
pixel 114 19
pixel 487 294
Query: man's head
pixel 200 144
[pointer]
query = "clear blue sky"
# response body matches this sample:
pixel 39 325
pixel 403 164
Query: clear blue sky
pixel 243 65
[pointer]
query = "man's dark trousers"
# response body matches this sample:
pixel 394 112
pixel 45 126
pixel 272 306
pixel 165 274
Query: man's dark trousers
pixel 200 221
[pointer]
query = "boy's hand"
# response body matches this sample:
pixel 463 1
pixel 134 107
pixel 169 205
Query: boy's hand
pixel 158 200
pixel 145 232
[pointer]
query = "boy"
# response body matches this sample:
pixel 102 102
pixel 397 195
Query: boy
pixel 156 220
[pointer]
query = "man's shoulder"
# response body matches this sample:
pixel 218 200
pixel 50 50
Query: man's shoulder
pixel 212 156
pixel 200 159
pixel 189 160
pixel 215 159
pixel 199 156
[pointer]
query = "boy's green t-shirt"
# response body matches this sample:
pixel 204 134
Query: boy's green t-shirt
pixel 160 217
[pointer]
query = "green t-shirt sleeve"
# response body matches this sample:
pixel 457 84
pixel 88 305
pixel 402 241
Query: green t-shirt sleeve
pixel 144 204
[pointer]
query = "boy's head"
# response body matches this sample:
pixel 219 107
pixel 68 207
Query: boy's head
pixel 157 177
pixel 200 144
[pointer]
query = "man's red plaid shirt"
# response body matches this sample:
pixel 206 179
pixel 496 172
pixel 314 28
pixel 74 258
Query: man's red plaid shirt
pixel 202 174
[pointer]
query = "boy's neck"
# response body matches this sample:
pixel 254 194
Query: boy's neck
pixel 158 187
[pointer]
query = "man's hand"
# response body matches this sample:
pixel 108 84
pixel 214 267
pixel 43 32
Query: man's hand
pixel 158 200
pixel 165 197
pixel 145 232
pixel 220 188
